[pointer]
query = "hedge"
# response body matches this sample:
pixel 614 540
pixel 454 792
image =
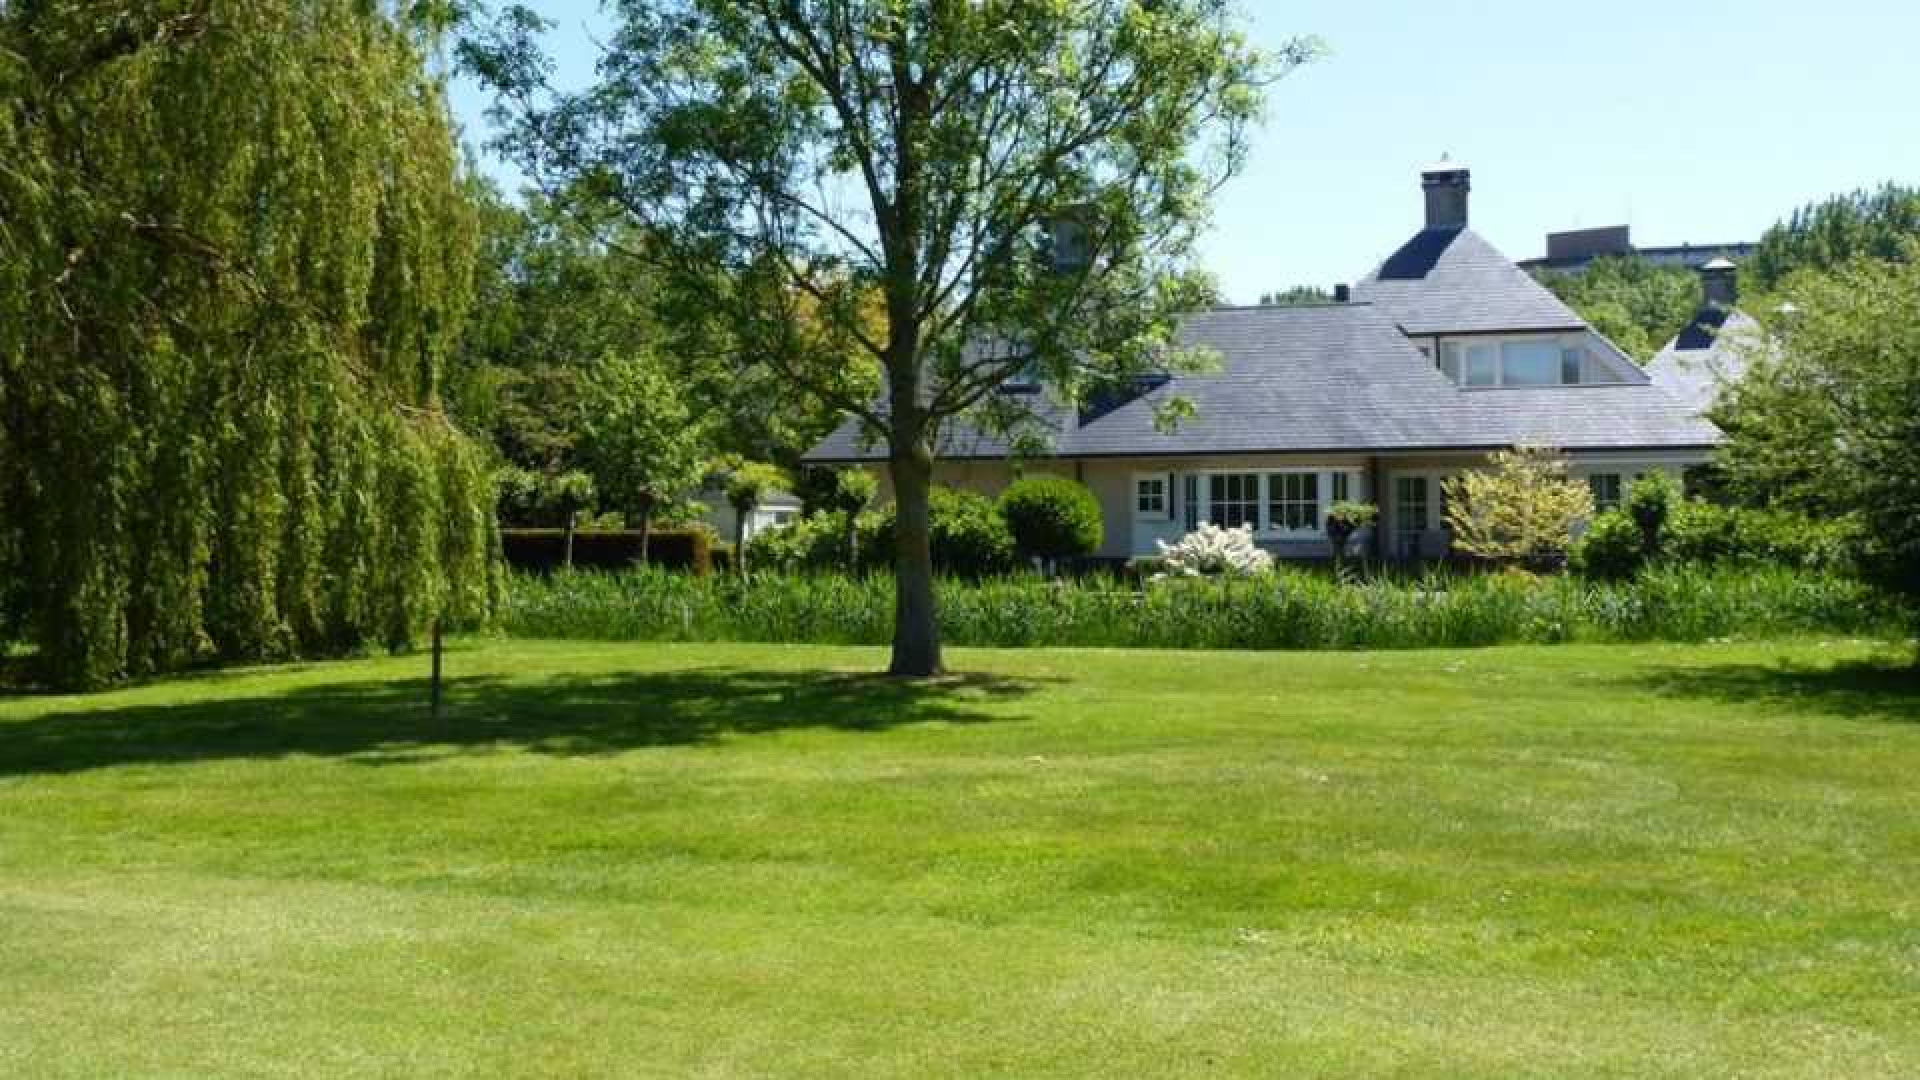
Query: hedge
pixel 544 550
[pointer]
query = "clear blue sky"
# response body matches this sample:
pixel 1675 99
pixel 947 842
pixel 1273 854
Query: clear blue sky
pixel 1692 120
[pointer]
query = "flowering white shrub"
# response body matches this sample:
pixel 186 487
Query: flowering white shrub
pixel 1211 551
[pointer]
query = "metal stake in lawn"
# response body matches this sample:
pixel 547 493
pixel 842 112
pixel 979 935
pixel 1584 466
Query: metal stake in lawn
pixel 435 689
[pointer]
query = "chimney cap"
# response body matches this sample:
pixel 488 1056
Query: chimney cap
pixel 1445 166
pixel 1718 265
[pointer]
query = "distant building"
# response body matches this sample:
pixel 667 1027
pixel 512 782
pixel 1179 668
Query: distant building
pixel 1570 252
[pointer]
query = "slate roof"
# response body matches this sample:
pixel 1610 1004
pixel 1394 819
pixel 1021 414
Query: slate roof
pixel 1705 356
pixel 1450 281
pixel 1335 378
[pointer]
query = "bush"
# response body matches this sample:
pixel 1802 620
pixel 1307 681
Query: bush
pixel 1705 532
pixel 812 543
pixel 1649 503
pixel 544 550
pixel 970 538
pixel 1211 551
pixel 1051 517
pixel 1612 548
pixel 1291 609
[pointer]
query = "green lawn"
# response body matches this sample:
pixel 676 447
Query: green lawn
pixel 755 861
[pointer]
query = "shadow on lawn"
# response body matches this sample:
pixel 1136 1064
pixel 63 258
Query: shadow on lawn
pixel 386 722
pixel 1884 689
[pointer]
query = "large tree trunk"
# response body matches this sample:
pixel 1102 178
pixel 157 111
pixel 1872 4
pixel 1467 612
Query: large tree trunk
pixel 916 631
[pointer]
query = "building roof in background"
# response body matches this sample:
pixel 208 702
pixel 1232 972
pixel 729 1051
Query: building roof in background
pixel 1450 280
pixel 1332 378
pixel 1703 358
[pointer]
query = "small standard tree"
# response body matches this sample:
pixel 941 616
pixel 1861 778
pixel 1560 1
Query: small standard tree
pixel 1523 508
pixel 1052 518
pixel 853 491
pixel 1343 520
pixel 747 484
pixel 641 438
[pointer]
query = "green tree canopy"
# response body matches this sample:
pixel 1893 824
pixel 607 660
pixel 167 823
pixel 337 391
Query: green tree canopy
pixel 1296 295
pixel 1877 223
pixel 1638 304
pixel 235 253
pixel 642 438
pixel 956 191
pixel 1826 419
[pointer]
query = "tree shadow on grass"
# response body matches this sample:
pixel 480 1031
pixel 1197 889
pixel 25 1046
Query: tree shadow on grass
pixel 387 722
pixel 1880 689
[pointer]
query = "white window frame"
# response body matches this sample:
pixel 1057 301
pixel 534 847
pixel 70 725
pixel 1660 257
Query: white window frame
pixel 1200 495
pixel 1573 352
pixel 1271 498
pixel 1620 484
pixel 1256 499
pixel 1165 480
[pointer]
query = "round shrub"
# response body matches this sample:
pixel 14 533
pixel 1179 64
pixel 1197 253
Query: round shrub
pixel 1052 517
pixel 1611 549
pixel 970 538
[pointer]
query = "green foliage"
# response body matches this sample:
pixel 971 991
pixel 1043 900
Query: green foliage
pixel 1649 503
pixel 1878 224
pixel 639 435
pixel 854 490
pixel 1346 517
pixel 1825 422
pixel 1052 517
pixel 1704 532
pixel 529 498
pixel 1289 610
pixel 1639 305
pixel 1612 549
pixel 1524 506
pixel 235 254
pixel 1296 295
pixel 970 538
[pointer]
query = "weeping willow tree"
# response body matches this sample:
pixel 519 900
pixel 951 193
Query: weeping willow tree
pixel 235 253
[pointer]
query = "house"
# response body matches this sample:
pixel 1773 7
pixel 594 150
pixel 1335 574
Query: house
pixel 774 509
pixel 1712 350
pixel 1573 251
pixel 1446 352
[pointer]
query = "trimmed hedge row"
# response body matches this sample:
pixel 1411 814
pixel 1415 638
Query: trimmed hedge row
pixel 543 551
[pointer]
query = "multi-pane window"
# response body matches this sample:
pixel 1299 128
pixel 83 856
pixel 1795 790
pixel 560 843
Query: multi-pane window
pixel 1190 500
pixel 1530 363
pixel 1293 501
pixel 1606 491
pixel 1233 500
pixel 1483 365
pixel 1570 364
pixel 1150 496
pixel 1340 482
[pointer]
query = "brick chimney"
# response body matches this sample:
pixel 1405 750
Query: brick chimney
pixel 1720 283
pixel 1446 185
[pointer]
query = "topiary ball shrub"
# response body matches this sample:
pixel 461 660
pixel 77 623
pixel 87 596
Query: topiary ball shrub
pixel 1052 517
pixel 1611 549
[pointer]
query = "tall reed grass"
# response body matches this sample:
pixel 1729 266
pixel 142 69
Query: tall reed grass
pixel 1288 610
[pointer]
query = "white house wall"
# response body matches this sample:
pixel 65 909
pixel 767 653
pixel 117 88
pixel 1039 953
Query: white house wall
pixel 1111 480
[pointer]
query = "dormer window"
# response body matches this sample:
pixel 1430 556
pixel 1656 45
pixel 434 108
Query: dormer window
pixel 1484 363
